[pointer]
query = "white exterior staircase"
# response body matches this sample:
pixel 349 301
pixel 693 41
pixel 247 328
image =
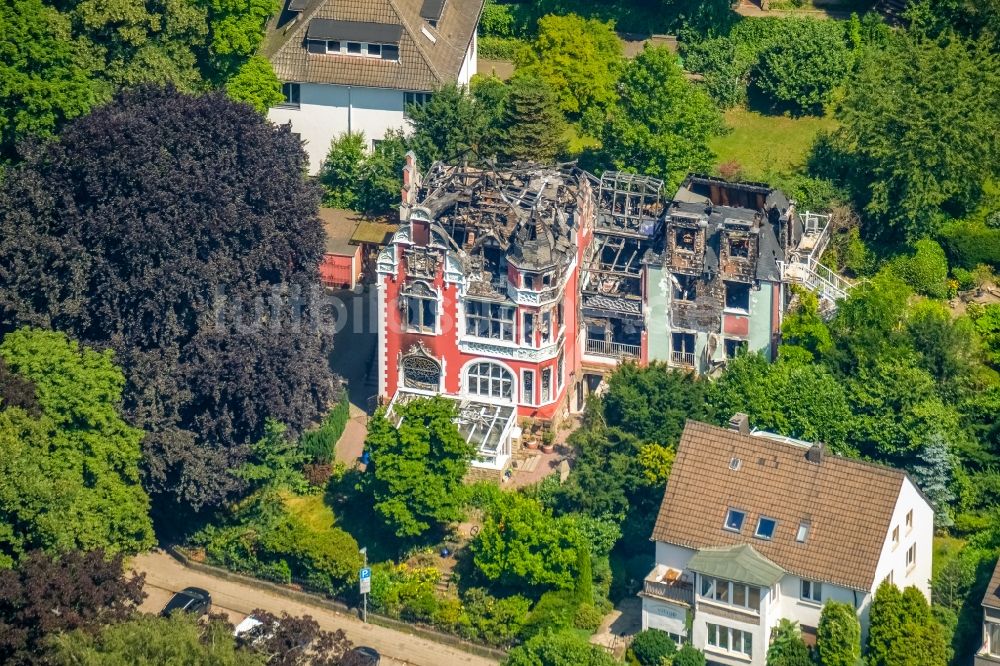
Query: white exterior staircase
pixel 803 266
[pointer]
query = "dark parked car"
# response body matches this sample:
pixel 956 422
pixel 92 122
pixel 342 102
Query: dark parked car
pixel 190 600
pixel 362 656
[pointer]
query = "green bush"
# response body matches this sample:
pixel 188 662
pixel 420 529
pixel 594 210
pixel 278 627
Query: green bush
pixel 405 592
pixel 650 646
pixel 688 655
pixel 728 63
pixel 499 48
pixel 320 444
pixel 969 244
pixel 495 621
pixel 800 72
pixel 587 617
pixel 926 270
pixel 496 21
pixel 555 610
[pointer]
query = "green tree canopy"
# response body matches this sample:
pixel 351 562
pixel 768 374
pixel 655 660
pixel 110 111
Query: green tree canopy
pixel 419 466
pixel 662 123
pixel 72 474
pixel 787 647
pixel 565 648
pixel 446 126
pixel 194 208
pixel 920 120
pixel 579 58
pixel 521 544
pixel 534 128
pixel 801 70
pixel 902 630
pixel 838 636
pixel 149 640
pixel 256 84
pixel 788 397
pixel 46 74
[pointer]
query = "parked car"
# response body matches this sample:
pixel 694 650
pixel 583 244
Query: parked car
pixel 189 600
pixel 362 656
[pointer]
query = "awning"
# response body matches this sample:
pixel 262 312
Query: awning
pixel 741 564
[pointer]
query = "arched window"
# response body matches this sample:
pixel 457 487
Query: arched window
pixel 421 371
pixel 490 380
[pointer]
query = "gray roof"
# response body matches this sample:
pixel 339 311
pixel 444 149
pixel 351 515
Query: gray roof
pixel 359 31
pixel 432 9
pixel 741 564
pixel 423 65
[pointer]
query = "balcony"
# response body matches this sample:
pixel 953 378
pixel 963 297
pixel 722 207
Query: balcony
pixel 682 358
pixel 665 583
pixel 610 349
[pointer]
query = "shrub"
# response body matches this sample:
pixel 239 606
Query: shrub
pixel 926 270
pixel 800 71
pixel 499 48
pixel 319 444
pixel 496 21
pixel 969 244
pixel 493 620
pixel 688 655
pixel 587 617
pixel 554 610
pixel 650 646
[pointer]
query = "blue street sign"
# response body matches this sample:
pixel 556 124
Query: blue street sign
pixel 365 573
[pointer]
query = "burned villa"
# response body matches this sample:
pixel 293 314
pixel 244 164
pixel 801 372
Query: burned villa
pixel 514 290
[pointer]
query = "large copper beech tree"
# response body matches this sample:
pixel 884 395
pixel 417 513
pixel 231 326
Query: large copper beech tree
pixel 181 232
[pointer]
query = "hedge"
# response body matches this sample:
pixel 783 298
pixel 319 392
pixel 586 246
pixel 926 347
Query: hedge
pixel 320 444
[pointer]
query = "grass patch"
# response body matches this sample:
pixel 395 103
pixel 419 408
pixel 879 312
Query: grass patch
pixel 311 510
pixel 764 144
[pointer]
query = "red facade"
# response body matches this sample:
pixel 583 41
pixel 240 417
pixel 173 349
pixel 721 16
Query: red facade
pixel 472 313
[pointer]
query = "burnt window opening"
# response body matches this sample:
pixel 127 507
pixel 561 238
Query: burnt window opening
pixel 684 239
pixel 421 372
pixel 547 328
pixel 685 288
pixel 420 307
pixel 738 296
pixel 489 320
pixel 739 247
pixel 735 348
pixel 682 348
pixel 547 280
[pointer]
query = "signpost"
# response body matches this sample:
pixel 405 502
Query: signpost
pixel 365 585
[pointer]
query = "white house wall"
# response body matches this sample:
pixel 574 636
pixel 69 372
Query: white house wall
pixel 326 111
pixel 805 612
pixel 469 63
pixel 675 557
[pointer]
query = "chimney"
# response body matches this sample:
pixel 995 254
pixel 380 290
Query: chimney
pixel 411 180
pixel 740 423
pixel 816 453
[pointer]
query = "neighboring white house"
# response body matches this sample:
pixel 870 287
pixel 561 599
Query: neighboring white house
pixel 353 65
pixel 755 527
pixel 989 651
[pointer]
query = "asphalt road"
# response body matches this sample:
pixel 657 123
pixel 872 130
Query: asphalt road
pixel 165 575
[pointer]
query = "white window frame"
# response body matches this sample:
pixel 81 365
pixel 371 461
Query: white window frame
pixel 410 292
pixel 730 512
pixel 561 369
pixel 499 381
pixel 525 397
pixel 721 638
pixel 911 557
pixel 545 386
pixel 710 587
pixel 803 532
pixel 368 50
pixel 499 321
pixel 760 521
pixel 336 51
pixel 895 537
pixel 811 591
pixel 909 521
pixel 347 48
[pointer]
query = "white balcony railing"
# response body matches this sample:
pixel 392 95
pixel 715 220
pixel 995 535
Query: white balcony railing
pixel 613 349
pixel 682 358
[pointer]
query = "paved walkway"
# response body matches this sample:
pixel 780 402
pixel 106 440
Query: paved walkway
pixel 165 575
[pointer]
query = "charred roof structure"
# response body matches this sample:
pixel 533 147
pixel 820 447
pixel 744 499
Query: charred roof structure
pixel 522 216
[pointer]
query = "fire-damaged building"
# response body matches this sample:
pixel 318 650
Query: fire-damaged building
pixel 514 290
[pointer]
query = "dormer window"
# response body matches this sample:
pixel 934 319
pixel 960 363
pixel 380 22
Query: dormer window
pixel 374 51
pixel 354 48
pixel 333 47
pixel 765 528
pixel 734 520
pixel 353 38
pixel 803 532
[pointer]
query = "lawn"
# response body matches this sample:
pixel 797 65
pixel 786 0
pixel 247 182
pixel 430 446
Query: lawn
pixel 763 144
pixel 312 510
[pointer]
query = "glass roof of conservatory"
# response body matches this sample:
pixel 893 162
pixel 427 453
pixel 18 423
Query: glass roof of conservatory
pixel 485 425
